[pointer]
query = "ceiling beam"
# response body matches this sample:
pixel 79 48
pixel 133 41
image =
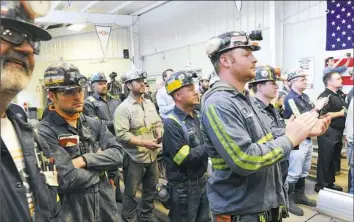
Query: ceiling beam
pixel 120 6
pixel 53 6
pixel 58 16
pixel 88 6
pixel 149 7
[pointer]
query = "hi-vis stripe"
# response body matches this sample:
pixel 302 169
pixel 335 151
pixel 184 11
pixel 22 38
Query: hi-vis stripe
pixel 240 158
pixel 219 164
pixel 181 154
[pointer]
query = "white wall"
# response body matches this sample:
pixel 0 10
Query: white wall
pixel 82 50
pixel 175 34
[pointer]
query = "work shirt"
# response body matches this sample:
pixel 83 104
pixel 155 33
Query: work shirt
pixel 140 120
pixel 276 121
pixel 96 106
pixel 302 103
pixel 245 156
pixel 335 104
pixel 86 192
pixel 184 159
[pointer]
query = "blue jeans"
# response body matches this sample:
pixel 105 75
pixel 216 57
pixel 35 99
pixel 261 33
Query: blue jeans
pixel 189 202
pixel 350 158
pixel 300 161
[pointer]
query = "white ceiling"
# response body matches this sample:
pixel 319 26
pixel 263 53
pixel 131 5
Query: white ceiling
pixel 114 13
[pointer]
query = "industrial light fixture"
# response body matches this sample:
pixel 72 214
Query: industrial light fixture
pixel 76 27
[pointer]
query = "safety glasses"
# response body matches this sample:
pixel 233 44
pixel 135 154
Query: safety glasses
pixel 70 92
pixel 17 37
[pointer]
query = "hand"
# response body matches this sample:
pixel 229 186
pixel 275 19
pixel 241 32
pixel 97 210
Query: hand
pixel 79 162
pixel 321 126
pixel 342 112
pixel 151 144
pixel 297 130
pixel 321 102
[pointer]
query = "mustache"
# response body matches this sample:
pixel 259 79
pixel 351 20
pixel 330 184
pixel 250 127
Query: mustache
pixel 15 57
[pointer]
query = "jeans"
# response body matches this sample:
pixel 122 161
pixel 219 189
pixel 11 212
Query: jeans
pixel 189 202
pixel 135 174
pixel 350 158
pixel 300 161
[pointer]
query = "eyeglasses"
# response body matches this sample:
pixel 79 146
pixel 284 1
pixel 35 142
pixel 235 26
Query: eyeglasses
pixel 17 37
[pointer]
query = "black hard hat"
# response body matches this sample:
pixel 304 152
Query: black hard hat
pixel 21 15
pixel 63 76
pixel 113 74
pixel 230 40
pixel 266 73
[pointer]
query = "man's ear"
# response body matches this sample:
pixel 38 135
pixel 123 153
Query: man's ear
pixel 224 60
pixel 129 86
pixel 51 96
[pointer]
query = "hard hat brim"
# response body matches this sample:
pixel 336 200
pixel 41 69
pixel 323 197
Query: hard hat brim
pixel 302 75
pixel 37 32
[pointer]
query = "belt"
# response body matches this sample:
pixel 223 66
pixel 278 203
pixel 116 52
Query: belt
pixel 273 215
pixel 191 182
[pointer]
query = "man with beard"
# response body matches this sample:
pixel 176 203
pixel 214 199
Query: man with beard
pixel 246 183
pixel 101 105
pixel 330 144
pixel 184 152
pixel 138 127
pixel 83 147
pixel 27 189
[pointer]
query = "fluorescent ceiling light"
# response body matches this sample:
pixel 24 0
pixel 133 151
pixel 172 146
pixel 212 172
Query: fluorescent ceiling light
pixel 76 27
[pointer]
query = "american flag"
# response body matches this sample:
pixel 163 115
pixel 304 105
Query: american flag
pixel 340 22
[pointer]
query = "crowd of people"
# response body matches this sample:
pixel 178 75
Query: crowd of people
pixel 257 138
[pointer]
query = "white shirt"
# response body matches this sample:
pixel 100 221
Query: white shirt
pixel 164 101
pixel 9 136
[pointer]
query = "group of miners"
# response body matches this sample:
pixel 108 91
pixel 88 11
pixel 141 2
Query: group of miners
pixel 67 167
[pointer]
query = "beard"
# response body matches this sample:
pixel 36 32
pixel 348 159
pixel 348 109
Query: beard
pixel 15 72
pixel 13 79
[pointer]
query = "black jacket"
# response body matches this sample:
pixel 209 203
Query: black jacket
pixel 86 192
pixel 14 205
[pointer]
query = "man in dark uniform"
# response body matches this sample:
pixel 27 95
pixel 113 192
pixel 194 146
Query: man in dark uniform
pixel 265 89
pixel 296 103
pixel 114 87
pixel 101 105
pixel 26 191
pixel 246 182
pixel 83 147
pixel 184 153
pixel 330 144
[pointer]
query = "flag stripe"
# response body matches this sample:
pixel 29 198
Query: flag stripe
pixel 342 63
pixel 347 81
